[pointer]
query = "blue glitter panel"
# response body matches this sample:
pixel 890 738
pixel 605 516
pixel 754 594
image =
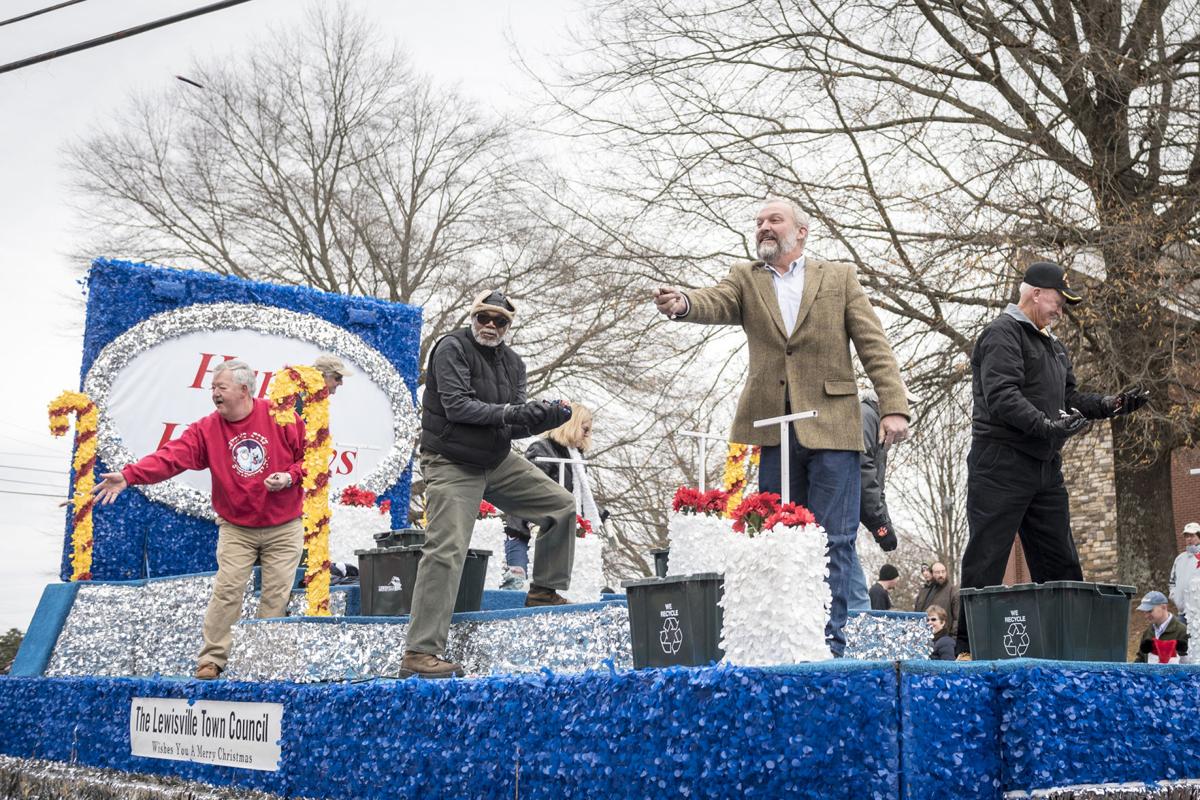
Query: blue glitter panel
pixel 709 732
pixel 136 537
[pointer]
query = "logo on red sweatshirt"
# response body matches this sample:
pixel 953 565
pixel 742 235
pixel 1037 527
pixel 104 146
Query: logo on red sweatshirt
pixel 249 453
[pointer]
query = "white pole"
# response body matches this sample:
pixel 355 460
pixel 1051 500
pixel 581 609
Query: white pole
pixel 785 475
pixel 1194 471
pixel 562 473
pixel 702 456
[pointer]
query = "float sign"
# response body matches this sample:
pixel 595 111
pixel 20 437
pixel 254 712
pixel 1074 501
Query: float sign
pixel 242 735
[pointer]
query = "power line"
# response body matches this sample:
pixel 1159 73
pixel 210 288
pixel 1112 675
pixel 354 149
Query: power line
pixel 31 494
pixel 30 483
pixel 39 12
pixel 112 37
pixel 33 469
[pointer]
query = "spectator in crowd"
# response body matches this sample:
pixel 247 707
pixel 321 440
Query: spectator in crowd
pixel 1184 589
pixel 1165 636
pixel 256 467
pixel 881 599
pixel 872 506
pixel 939 592
pixel 569 440
pixel 943 642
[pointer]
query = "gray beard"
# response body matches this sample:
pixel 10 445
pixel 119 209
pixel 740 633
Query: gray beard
pixel 498 341
pixel 769 249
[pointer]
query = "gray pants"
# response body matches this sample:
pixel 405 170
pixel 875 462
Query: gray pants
pixel 452 495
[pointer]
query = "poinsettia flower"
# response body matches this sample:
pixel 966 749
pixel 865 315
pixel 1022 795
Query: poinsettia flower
pixel 789 515
pixel 354 496
pixel 583 526
pixel 486 509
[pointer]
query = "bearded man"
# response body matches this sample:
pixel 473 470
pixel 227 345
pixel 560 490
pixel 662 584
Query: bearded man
pixel 800 315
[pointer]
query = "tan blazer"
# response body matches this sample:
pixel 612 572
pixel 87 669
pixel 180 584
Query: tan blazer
pixel 812 366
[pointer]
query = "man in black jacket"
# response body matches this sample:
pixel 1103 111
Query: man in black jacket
pixel 473 407
pixel 1025 406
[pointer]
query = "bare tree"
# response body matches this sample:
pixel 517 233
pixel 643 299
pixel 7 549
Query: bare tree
pixel 928 481
pixel 939 145
pixel 323 159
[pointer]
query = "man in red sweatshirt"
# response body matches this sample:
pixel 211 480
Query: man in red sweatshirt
pixel 256 471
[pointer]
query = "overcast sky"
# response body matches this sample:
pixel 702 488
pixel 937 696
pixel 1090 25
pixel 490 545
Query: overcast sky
pixel 54 103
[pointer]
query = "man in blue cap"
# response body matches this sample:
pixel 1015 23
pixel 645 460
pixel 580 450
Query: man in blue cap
pixel 1025 406
pixel 1166 636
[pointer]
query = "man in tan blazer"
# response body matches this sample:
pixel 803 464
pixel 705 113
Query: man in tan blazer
pixel 800 315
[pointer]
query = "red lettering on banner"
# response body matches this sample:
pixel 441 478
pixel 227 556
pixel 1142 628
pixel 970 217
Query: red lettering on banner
pixel 264 384
pixel 205 362
pixel 346 465
pixel 169 432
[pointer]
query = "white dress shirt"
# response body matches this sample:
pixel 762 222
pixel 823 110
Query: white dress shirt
pixel 789 291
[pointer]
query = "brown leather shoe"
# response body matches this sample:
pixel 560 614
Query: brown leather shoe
pixel 424 665
pixel 541 596
pixel 207 671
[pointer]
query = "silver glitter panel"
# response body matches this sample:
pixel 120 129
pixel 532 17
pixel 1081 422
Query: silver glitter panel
pixel 871 638
pixel 564 641
pixel 331 338
pixel 24 778
pixel 152 629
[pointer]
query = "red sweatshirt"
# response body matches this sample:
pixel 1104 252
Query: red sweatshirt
pixel 240 455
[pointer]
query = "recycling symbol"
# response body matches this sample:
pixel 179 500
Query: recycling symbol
pixel 1016 641
pixel 671 636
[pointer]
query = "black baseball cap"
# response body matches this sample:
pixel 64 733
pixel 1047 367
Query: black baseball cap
pixel 1048 275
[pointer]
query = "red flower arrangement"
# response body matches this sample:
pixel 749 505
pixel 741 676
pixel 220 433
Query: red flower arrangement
pixel 486 510
pixel 583 527
pixel 762 512
pixel 753 511
pixel 693 501
pixel 354 496
pixel 790 515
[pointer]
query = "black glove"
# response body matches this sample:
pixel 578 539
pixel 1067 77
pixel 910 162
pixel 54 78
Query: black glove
pixel 604 515
pixel 1065 426
pixel 1146 646
pixel 1127 402
pixel 885 537
pixel 1182 647
pixel 538 416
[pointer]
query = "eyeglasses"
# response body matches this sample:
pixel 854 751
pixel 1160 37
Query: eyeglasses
pixel 498 320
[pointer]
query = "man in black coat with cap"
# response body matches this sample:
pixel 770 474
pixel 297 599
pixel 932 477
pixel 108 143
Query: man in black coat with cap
pixel 1025 406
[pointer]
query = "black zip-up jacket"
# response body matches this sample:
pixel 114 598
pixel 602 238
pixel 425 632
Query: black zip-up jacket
pixel 872 507
pixel 1020 379
pixel 467 388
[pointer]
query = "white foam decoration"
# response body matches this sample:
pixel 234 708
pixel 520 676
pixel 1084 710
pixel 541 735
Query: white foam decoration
pixel 353 528
pixel 488 534
pixel 776 600
pixel 587 575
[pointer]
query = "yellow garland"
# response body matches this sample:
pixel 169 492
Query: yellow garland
pixel 734 479
pixel 84 464
pixel 287 387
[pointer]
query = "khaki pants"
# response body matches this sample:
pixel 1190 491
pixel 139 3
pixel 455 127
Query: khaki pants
pixel 452 495
pixel 279 549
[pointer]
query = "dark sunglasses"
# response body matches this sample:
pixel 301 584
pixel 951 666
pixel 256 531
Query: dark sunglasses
pixel 498 320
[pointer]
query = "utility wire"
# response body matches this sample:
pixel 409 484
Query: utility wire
pixel 33 469
pixel 31 494
pixel 31 483
pixel 112 37
pixel 39 12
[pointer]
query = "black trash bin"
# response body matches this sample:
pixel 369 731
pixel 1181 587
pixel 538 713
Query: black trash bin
pixel 660 561
pixel 402 537
pixel 675 621
pixel 387 576
pixel 1064 620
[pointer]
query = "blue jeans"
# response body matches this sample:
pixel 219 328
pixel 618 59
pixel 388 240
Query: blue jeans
pixel 516 552
pixel 859 598
pixel 828 483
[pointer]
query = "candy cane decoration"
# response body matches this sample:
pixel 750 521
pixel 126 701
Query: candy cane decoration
pixel 287 388
pixel 84 464
pixel 737 467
